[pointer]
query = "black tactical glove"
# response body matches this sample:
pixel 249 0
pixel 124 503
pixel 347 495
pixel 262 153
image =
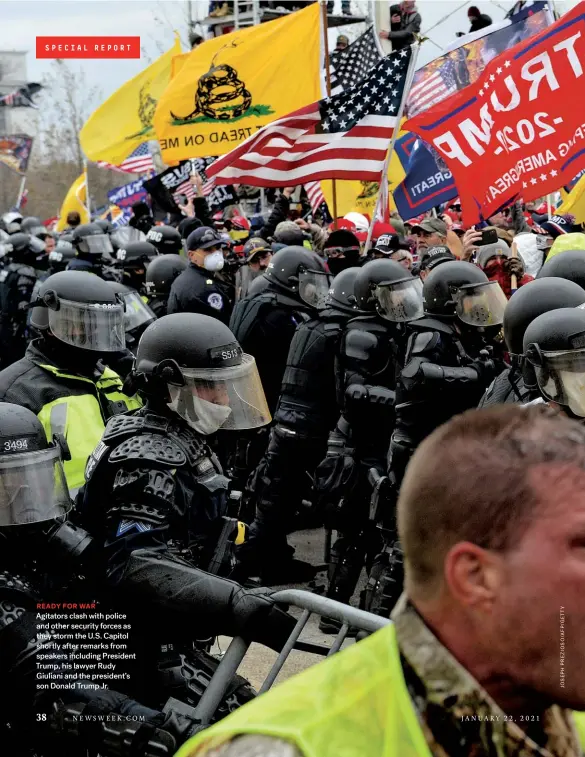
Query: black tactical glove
pixel 485 367
pixel 257 618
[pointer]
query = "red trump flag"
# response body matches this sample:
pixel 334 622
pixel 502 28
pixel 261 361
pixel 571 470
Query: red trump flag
pixel 520 128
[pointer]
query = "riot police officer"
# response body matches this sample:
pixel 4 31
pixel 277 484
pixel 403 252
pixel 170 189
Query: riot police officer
pixel 93 249
pixel 133 259
pixel 371 353
pixel 307 410
pixel 195 380
pixel 33 226
pixel 197 289
pixel 36 542
pixel 529 302
pixel 62 255
pixel 137 314
pixel 17 283
pixel 448 363
pixel 63 378
pixel 297 285
pixel 160 274
pixel 554 346
pixel 166 239
pixel 264 325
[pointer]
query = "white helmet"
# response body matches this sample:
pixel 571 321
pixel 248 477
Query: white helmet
pixel 359 221
pixel 12 217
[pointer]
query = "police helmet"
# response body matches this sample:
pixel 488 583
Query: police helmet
pixel 166 239
pixel 161 273
pixel 106 226
pixel 210 382
pixel 12 221
pixel 463 290
pixel 60 257
pixel 137 315
pixel 569 264
pixel 300 272
pixel 22 248
pixel 554 344
pixel 257 285
pixel 32 482
pixel 136 255
pixel 341 295
pixel 385 287
pixel 81 310
pixel 90 239
pixel 33 226
pixel 533 299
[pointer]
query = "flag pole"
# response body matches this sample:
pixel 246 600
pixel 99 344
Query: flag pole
pixel 548 205
pixel 21 191
pixel 384 175
pixel 328 82
pixel 87 197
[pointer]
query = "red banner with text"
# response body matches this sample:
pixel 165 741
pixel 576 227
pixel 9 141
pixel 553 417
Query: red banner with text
pixel 519 130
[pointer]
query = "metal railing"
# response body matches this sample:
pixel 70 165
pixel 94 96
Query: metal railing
pixel 348 617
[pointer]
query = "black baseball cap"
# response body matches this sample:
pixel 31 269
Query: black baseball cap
pixel 435 255
pixel 203 238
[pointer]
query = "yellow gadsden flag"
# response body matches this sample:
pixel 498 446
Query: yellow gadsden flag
pixel 234 84
pixel 124 121
pixel 75 199
pixel 574 201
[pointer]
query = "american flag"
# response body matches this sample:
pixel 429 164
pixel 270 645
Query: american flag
pixel 341 137
pixel 350 66
pixel 188 189
pixel 432 89
pixel 314 195
pixel 139 161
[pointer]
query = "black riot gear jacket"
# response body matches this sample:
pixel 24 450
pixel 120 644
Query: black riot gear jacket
pixel 264 325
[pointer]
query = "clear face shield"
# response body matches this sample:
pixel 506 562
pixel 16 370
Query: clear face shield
pixel 32 488
pixel 400 301
pixel 96 244
pixel 561 378
pixel 126 235
pixel 314 288
pixel 481 305
pixel 137 313
pixel 227 398
pixel 95 327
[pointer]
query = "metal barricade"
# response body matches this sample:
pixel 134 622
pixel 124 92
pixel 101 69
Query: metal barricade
pixel 349 617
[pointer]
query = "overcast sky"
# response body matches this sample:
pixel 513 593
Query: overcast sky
pixel 154 20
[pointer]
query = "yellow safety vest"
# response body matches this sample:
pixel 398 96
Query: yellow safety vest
pixel 354 704
pixel 79 418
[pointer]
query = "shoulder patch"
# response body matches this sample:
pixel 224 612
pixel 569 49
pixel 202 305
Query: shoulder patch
pixel 215 301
